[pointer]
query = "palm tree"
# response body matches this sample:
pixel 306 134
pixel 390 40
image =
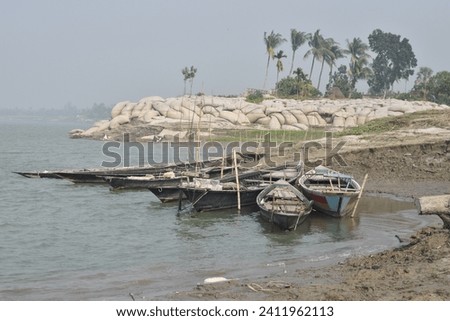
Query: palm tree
pixel 325 55
pixel 338 53
pixel 188 74
pixel 272 41
pixel 298 38
pixel 359 60
pixel 279 56
pixel 185 72
pixel 315 43
pixel 192 73
pixel 300 79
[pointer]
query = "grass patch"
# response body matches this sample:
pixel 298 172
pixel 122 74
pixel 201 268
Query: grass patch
pixel 258 135
pixel 376 126
pixel 422 119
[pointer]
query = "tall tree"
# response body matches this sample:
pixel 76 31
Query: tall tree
pixel 192 72
pixel 315 42
pixel 188 75
pixel 280 54
pixel 359 61
pixel 298 38
pixel 301 79
pixel 340 80
pixel 185 72
pixel 272 41
pixel 325 54
pixel 422 81
pixel 395 60
pixel 439 86
pixel 337 53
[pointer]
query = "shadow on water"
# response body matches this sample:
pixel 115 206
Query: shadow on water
pixel 386 203
pixel 318 228
pixel 333 229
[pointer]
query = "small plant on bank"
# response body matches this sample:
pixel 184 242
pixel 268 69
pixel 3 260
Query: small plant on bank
pixel 255 97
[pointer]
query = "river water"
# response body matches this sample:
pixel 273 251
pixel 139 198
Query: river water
pixel 63 241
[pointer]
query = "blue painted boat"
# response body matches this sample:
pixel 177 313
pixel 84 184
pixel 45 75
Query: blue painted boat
pixel 333 193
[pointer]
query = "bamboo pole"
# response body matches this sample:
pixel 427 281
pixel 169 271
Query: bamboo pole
pixel 360 193
pixel 223 164
pixel 237 180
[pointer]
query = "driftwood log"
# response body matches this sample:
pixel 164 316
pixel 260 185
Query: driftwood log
pixel 437 205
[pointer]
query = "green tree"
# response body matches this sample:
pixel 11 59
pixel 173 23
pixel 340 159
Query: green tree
pixel 272 41
pixel 338 53
pixel 326 54
pixel 280 55
pixel 304 85
pixel 300 85
pixel 185 72
pixel 300 75
pixel 340 80
pixel 421 85
pixel 359 61
pixel 298 38
pixel 287 87
pixel 188 75
pixel 439 88
pixel 255 97
pixel 395 60
pixel 192 72
pixel 316 43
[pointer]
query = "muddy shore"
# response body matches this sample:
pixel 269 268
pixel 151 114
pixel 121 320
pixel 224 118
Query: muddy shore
pixel 408 163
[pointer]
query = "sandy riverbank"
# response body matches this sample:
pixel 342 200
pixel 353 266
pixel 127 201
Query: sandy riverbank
pixel 411 162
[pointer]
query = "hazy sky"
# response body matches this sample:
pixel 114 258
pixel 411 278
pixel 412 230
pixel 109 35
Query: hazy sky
pixel 104 51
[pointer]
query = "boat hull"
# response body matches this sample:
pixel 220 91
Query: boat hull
pixel 167 193
pixel 142 183
pixel 333 193
pixel 252 182
pixel 284 205
pixel 209 200
pixel 334 204
pixel 284 221
pixel 98 176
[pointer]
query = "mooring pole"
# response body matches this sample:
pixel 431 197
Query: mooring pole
pixel 237 180
pixel 360 193
pixel 180 200
pixel 223 164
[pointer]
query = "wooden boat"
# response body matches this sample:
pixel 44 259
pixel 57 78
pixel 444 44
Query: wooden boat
pixel 333 193
pixel 163 180
pixel 144 182
pixel 96 175
pixel 37 174
pixel 284 205
pixel 165 194
pixel 169 191
pixel 209 195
